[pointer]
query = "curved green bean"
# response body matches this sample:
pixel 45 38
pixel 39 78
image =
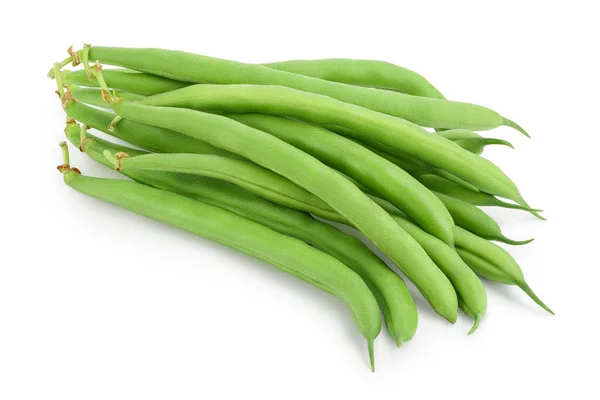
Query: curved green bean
pixel 477 221
pixel 493 262
pixel 311 174
pixel 373 128
pixel 369 73
pixel 389 289
pixel 288 254
pixel 182 66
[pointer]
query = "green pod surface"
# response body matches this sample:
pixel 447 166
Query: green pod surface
pixel 389 289
pixel 182 66
pixel 492 262
pixel 376 129
pixel 468 286
pixel 370 73
pixel 142 135
pixel 477 221
pixel 245 174
pixel 288 254
pixel 131 81
pixel 379 175
pixel 306 171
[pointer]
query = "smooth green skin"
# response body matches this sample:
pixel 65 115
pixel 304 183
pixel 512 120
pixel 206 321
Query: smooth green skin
pixel 492 262
pixel 132 81
pixel 381 176
pixel 374 128
pixel 309 173
pixel 245 174
pixel 93 96
pixel 468 286
pixel 286 253
pixel 389 289
pixel 182 66
pixel 460 192
pixel 392 183
pixel 475 220
pixel 369 73
pixel 145 136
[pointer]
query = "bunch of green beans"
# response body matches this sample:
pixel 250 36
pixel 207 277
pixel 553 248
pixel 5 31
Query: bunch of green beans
pixel 247 155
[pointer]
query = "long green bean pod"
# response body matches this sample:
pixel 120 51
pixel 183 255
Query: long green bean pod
pixel 182 66
pixel 389 289
pixel 288 254
pixel 373 128
pixel 369 73
pixel 309 173
pixel 493 262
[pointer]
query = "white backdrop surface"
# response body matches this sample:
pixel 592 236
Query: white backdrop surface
pixel 99 303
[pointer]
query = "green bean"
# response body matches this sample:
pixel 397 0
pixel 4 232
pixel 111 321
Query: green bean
pixel 454 190
pixel 182 66
pixel 131 81
pixel 142 135
pixel 492 262
pixel 370 127
pixel 288 254
pixel 369 73
pixel 473 219
pixel 389 289
pixel 311 174
pixel 92 96
pixel 391 183
pixel 258 180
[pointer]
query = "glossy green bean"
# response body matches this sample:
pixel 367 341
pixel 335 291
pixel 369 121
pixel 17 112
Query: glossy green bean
pixel 288 254
pixel 389 289
pixel 369 73
pixel 311 174
pixel 477 221
pixel 493 262
pixel 182 66
pixel 472 141
pixel 370 127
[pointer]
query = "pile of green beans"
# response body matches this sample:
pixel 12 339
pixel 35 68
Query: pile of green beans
pixel 262 158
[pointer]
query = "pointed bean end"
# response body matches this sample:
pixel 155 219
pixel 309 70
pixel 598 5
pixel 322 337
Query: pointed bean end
pixel 527 289
pixel 514 125
pixel 371 354
pixel 475 324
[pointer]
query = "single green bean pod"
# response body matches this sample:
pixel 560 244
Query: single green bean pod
pixel 288 254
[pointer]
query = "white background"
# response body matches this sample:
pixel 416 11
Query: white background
pixel 98 303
